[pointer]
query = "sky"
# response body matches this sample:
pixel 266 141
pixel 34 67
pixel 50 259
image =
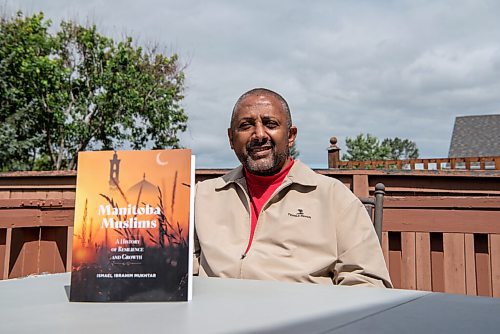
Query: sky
pixel 389 68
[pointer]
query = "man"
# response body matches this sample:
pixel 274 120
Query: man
pixel 274 218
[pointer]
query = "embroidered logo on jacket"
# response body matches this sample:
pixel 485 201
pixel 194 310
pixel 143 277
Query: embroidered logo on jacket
pixel 299 214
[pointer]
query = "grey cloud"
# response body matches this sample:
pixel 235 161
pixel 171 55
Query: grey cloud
pixel 390 68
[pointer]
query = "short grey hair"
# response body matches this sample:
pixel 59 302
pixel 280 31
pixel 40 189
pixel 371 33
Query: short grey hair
pixel 263 91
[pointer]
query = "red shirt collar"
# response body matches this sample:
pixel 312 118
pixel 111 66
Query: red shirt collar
pixel 265 181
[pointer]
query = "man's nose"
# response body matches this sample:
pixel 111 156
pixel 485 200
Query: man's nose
pixel 260 133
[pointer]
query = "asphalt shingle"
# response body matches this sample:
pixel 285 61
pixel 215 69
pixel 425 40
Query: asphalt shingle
pixel 475 136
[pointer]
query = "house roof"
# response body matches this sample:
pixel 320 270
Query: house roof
pixel 475 136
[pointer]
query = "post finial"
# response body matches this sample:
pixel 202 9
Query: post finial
pixel 333 153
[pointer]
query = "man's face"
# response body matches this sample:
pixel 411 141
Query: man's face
pixel 259 134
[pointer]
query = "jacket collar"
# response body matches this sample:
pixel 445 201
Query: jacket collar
pixel 299 173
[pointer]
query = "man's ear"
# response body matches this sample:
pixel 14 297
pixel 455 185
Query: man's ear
pixel 230 137
pixel 292 134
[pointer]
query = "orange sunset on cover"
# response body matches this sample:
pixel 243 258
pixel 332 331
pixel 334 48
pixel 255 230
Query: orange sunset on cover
pixel 131 223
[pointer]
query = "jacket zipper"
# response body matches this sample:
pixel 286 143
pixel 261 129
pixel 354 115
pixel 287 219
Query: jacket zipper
pixel 249 210
pixel 278 190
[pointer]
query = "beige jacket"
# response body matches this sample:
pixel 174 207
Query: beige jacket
pixel 312 229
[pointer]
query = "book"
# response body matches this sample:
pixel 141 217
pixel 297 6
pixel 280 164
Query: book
pixel 133 226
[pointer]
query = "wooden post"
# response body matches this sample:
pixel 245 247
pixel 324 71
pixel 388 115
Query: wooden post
pixel 454 262
pixel 69 247
pixel 495 264
pixel 497 163
pixel 379 209
pixel 470 265
pixel 423 261
pixel 333 154
pixel 360 186
pixel 482 164
pixel 408 266
pixel 452 163
pixel 467 163
pixel 8 246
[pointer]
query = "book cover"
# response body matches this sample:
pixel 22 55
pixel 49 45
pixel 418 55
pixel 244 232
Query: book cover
pixel 133 226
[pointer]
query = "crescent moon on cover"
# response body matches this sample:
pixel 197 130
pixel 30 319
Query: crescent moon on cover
pixel 159 162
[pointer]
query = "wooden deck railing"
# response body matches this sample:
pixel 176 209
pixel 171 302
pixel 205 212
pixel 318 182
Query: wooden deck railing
pixel 465 163
pixel 476 163
pixel 441 229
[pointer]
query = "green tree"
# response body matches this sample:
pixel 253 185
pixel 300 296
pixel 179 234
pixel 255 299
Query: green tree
pixel 365 147
pixel 76 90
pixel 401 148
pixel 294 152
pixel 368 147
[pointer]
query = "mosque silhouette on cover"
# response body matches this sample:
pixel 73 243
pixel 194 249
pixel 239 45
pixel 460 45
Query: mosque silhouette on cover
pixel 143 187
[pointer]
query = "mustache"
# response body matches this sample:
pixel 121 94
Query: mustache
pixel 253 145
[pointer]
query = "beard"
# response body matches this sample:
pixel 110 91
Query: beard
pixel 263 166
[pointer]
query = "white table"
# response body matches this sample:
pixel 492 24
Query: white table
pixel 40 304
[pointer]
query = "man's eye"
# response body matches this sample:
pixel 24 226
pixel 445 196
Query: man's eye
pixel 271 125
pixel 244 125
